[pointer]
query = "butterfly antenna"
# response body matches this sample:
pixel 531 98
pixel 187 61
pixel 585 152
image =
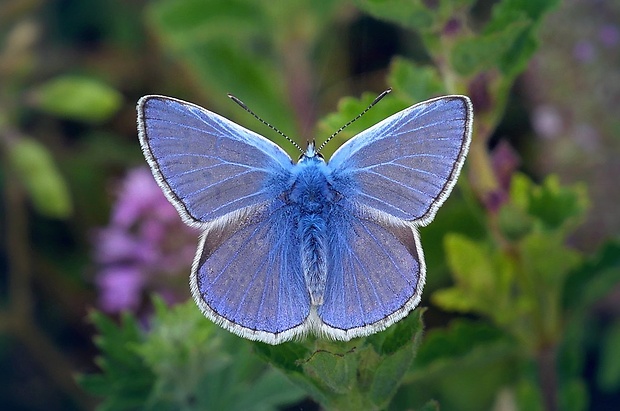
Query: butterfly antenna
pixel 246 108
pixel 375 101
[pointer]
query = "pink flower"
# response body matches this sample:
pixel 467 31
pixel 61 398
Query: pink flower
pixel 505 161
pixel 146 247
pixel 120 289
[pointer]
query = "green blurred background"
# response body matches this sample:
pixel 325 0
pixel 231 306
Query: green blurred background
pixel 71 72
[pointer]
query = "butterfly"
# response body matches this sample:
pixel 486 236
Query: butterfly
pixel 324 247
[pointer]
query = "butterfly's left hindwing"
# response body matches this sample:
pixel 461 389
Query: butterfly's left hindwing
pixel 207 165
pixel 376 273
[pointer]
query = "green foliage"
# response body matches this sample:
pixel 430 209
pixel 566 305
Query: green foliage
pixel 519 286
pixel 184 362
pixel 414 15
pixel 35 167
pixel 551 205
pixel 482 279
pixel 360 374
pixel 125 379
pixel 447 360
pixel 248 61
pixel 609 374
pixel 593 280
pixel 77 98
pixel 416 83
pixel 475 54
pixel 534 287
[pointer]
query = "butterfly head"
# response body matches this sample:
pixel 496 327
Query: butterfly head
pixel 311 154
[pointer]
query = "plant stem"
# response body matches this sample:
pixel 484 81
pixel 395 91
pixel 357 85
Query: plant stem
pixel 548 377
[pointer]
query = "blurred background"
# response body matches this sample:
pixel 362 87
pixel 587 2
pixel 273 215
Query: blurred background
pixel 85 228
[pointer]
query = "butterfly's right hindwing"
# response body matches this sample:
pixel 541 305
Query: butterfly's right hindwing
pixel 207 165
pixel 247 276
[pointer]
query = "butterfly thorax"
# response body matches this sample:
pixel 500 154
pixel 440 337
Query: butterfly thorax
pixel 312 199
pixel 311 190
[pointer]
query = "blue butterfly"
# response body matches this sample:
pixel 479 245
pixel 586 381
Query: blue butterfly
pixel 287 249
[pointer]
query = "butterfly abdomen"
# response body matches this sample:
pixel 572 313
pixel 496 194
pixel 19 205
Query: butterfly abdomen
pixel 312 232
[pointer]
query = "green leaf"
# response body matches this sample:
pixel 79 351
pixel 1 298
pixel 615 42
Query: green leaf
pixel 125 380
pixel 243 61
pixel 514 222
pixel 473 54
pixel 184 362
pixel 515 58
pixel 77 98
pixel 546 259
pixel 505 10
pixel 552 205
pixel 200 366
pixel 555 205
pixel 528 395
pixel 545 264
pixel 396 354
pixel 417 83
pixel 608 377
pixel 593 279
pixel 363 373
pixel 447 359
pixel 442 345
pixel 191 21
pixel 412 14
pixel 337 372
pixel 483 279
pixel 35 167
pixel 574 395
pixel 399 335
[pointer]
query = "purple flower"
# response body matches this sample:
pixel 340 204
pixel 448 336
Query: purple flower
pixel 505 161
pixel 609 35
pixel 584 51
pixel 146 247
pixel 120 288
pixel 547 121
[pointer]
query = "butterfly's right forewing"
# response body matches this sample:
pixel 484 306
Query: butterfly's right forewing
pixel 207 165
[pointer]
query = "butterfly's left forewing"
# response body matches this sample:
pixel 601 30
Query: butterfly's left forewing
pixel 407 164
